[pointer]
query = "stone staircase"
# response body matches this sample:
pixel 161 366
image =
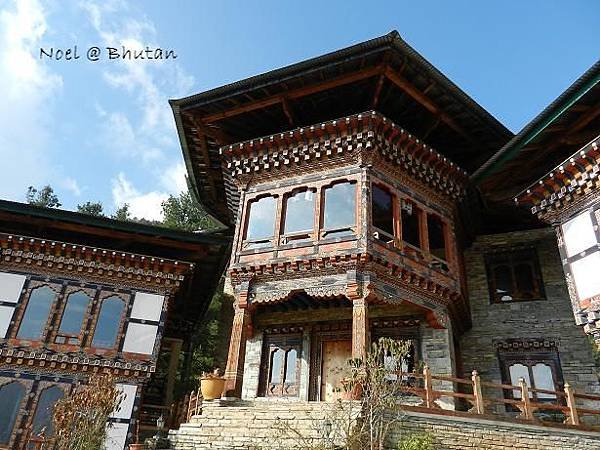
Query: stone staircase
pixel 257 425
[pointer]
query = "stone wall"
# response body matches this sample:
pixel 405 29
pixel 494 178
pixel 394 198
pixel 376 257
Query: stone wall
pixel 285 425
pixel 550 319
pixel 459 433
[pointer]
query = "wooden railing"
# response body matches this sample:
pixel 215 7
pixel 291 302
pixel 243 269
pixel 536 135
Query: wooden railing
pixel 526 402
pixel 566 405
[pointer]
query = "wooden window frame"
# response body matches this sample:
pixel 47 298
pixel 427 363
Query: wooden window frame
pixel 285 343
pixel 530 358
pixel 271 241
pixel 297 236
pixel 393 239
pixel 71 290
pixel 514 258
pixel 353 229
pixel 21 308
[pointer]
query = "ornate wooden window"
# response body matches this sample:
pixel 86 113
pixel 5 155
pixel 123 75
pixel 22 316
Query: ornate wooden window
pixel 539 367
pixel 581 238
pixel 12 395
pixel 109 322
pixel 37 312
pixel 383 214
pixel 411 223
pixel 72 320
pixel 42 419
pixel 280 369
pixel 260 225
pixel 298 218
pixel 436 231
pixel 339 210
pixel 514 276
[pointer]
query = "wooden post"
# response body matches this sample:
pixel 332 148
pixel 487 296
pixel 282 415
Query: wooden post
pixel 479 405
pixel 360 328
pixel 234 372
pixel 571 403
pixel 527 413
pixel 428 388
pixel 189 407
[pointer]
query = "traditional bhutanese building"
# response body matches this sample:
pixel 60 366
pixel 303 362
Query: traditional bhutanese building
pixel 567 193
pixel 82 295
pixel 360 191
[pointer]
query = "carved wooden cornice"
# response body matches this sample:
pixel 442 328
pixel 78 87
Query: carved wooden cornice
pixel 41 361
pixel 572 185
pixel 358 137
pixel 36 254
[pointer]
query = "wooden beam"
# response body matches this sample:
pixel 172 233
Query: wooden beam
pixel 294 94
pixel 425 101
pixel 287 110
pixel 377 91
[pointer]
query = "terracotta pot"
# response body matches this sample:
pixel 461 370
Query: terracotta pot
pixel 137 446
pixel 354 393
pixel 212 387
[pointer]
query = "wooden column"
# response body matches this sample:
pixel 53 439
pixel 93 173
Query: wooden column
pixel 360 327
pixel 234 372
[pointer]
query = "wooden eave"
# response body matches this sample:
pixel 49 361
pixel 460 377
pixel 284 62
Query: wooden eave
pixel 565 126
pixel 574 177
pixel 383 74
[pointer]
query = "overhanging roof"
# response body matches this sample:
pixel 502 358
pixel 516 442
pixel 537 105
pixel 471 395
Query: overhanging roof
pixel 384 74
pixel 568 123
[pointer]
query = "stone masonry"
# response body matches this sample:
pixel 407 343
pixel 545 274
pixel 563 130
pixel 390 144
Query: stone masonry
pixel 549 319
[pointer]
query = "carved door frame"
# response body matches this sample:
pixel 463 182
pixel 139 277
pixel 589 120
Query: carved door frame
pixel 316 358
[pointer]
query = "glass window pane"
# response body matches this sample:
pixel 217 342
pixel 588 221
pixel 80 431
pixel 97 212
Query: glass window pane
pixel 579 234
pixel 410 224
pixel 503 283
pixel 147 306
pixel 290 366
pixel 36 314
pixel 11 395
pixel 11 286
pixel 525 282
pixel 6 313
pixel 125 408
pixel 542 378
pixel 340 206
pixel 140 338
pixel 43 410
pixel 437 239
pixel 585 274
pixel 108 323
pixel 261 222
pixel 383 210
pixel 299 212
pixel 276 365
pixel 72 319
pixel 518 371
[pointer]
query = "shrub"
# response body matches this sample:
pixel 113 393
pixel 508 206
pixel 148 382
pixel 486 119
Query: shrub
pixel 416 441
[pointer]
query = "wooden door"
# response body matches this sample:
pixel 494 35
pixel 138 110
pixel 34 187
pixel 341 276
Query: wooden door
pixel 335 356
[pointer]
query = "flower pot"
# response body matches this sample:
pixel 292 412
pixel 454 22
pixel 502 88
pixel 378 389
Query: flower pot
pixel 351 392
pixel 137 446
pixel 212 387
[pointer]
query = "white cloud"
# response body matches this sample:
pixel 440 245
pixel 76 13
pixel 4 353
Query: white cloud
pixel 173 179
pixel 149 83
pixel 27 88
pixel 71 185
pixel 146 205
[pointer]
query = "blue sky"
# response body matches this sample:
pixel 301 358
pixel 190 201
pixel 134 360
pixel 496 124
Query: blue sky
pixel 103 131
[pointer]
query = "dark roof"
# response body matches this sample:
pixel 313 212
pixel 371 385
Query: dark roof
pixel 565 125
pixel 207 251
pixel 384 74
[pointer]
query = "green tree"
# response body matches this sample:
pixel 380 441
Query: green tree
pixel 44 197
pixel 122 213
pixel 184 213
pixel 91 208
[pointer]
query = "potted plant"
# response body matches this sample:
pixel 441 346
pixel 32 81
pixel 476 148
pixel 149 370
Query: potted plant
pixel 137 445
pixel 212 385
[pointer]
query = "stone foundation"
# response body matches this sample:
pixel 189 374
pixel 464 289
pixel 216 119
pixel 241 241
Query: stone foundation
pixel 263 425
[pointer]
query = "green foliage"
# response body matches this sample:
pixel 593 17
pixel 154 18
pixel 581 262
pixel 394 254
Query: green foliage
pixel 122 213
pixel 44 197
pixel 184 213
pixel 417 441
pixel 91 208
